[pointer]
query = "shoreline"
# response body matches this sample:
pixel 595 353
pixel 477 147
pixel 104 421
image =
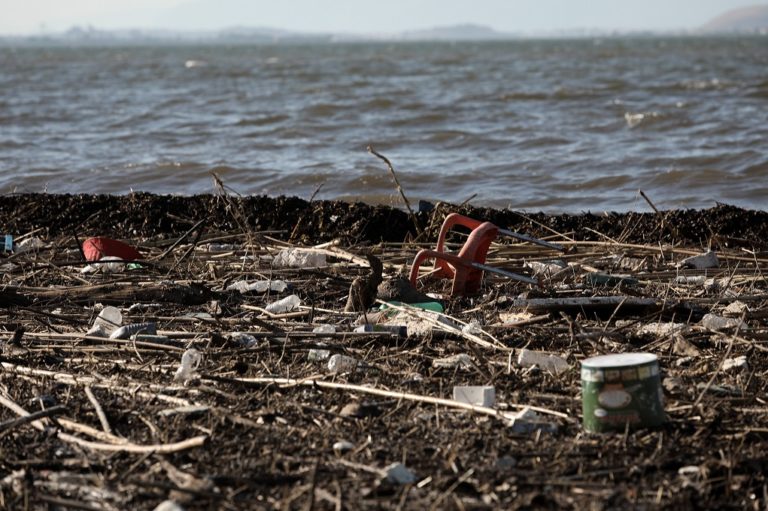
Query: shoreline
pixel 145 214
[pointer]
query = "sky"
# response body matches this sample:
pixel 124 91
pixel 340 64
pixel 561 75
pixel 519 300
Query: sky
pixel 360 16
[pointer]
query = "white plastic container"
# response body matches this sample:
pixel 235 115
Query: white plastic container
pixel 482 395
pixel 286 304
pixel 545 361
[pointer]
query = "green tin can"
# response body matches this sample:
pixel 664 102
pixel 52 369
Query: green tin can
pixel 621 390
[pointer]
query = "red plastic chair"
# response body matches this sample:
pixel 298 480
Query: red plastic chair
pixel 459 267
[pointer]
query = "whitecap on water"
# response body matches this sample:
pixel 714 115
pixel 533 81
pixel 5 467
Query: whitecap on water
pixel 195 63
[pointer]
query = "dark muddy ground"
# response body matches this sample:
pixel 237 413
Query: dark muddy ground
pixel 256 443
pixel 142 214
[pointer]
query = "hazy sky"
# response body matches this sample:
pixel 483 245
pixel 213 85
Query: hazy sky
pixel 34 16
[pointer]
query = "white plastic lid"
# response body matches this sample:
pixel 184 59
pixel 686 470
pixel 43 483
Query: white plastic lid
pixel 619 360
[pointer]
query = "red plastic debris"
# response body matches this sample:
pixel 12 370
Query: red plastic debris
pixel 96 248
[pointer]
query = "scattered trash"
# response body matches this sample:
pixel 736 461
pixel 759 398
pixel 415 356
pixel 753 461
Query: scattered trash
pixel 168 505
pixel 427 306
pixel 343 446
pixel 399 330
pixel 125 332
pixel 528 421
pixel 342 364
pixel 620 391
pixel 318 355
pixel 258 286
pixel 472 328
pixel 691 280
pixel 700 262
pixel 244 340
pixel 107 264
pixel 109 319
pixel 8 247
pixel 736 308
pixel 190 410
pixel 715 322
pixel 298 258
pixel 544 361
pixel 739 363
pixel 475 395
pixel 324 329
pixel 28 245
pixel 546 269
pixel 397 473
pixel 283 305
pixel 460 361
pixel 660 329
pixel 97 248
pixel 190 361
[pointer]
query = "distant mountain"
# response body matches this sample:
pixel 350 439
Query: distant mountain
pixel 752 19
pixel 465 32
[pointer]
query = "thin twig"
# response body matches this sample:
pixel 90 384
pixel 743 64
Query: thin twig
pixel 99 410
pixel 399 188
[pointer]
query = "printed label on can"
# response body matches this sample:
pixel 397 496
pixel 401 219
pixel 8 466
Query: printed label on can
pixel 614 397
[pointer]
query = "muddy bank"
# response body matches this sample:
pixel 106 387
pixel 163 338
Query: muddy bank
pixel 142 214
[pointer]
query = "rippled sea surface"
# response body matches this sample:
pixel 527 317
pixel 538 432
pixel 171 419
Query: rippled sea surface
pixel 540 125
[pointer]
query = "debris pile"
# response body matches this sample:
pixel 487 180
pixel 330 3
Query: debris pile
pixel 241 369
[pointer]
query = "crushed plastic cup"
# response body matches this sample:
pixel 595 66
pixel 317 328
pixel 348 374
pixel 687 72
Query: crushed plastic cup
pixel 109 319
pixel 318 355
pixel 342 364
pixel 125 332
pixel 298 258
pixel 259 286
pixel 190 361
pixel 286 304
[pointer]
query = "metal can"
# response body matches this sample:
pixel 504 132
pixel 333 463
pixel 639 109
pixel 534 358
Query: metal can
pixel 620 391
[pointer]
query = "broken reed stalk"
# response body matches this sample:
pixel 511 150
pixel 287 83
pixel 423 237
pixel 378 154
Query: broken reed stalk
pixel 371 150
pixel 450 403
pixel 662 217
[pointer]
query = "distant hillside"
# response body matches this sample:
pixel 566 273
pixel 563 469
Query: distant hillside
pixel 455 33
pixel 745 19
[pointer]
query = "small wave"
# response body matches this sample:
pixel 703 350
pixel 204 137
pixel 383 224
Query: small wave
pixel 322 109
pixel 542 142
pixel 524 96
pixel 427 118
pixel 189 64
pixel 263 121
